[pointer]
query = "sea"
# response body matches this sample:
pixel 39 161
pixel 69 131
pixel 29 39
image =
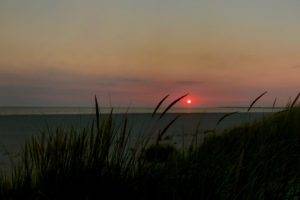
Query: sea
pixel 18 124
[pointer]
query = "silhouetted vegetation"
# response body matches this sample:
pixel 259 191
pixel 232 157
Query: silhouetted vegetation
pixel 254 161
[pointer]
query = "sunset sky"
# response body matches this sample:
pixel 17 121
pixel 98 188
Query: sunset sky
pixel 224 53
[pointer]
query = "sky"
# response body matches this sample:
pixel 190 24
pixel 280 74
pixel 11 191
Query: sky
pixel 134 52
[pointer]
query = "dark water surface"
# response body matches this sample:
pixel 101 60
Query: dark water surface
pixel 15 129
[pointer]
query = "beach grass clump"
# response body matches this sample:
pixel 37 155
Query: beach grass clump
pixel 254 161
pixel 61 162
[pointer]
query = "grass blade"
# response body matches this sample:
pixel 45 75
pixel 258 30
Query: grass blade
pixel 274 103
pixel 172 104
pixel 255 100
pixel 295 101
pixel 97 113
pixel 160 135
pixel 159 104
pixel 225 116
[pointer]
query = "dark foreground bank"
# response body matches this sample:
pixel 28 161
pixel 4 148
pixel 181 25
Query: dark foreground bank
pixel 255 161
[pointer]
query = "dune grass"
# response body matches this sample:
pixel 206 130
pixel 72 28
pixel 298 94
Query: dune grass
pixel 254 161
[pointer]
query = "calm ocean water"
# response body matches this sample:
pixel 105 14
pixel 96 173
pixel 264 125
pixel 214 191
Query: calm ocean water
pixel 19 123
pixel 90 110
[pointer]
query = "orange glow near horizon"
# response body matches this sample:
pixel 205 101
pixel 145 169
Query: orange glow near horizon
pixel 60 53
pixel 190 101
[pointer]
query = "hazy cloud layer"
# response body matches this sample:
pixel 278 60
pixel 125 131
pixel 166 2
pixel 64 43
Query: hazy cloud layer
pixel 62 52
pixel 65 88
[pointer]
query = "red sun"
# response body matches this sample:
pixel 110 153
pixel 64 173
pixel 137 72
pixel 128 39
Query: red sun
pixel 188 101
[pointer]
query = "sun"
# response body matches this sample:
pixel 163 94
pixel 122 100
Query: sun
pixel 188 101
